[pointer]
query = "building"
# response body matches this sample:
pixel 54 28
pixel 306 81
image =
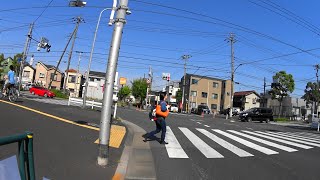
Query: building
pixel 210 91
pixel 44 73
pixel 96 86
pixel 4 66
pixel 245 100
pixel 28 74
pixel 172 90
pixel 74 83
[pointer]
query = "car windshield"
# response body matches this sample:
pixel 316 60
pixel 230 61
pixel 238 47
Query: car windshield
pixel 174 105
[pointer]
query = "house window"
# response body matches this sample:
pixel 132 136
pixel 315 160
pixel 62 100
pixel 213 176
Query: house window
pixel 53 87
pixel 194 81
pixel 215 85
pixel 214 96
pixel 194 93
pixel 91 79
pixel 224 84
pixel 193 105
pixel 254 100
pixel 97 80
pixel 213 106
pixel 26 74
pixel 204 94
pixel 71 90
pixel 41 75
pixel 54 77
pixel 72 79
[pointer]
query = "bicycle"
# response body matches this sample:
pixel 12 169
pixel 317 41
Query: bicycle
pixel 12 93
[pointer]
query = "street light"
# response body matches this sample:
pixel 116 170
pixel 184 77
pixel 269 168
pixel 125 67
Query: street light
pixel 90 60
pixel 77 3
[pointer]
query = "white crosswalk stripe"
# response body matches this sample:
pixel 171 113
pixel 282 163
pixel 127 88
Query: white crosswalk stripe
pixel 298 135
pixel 279 140
pixel 225 144
pixel 173 147
pixel 285 148
pixel 200 144
pixel 308 134
pixel 212 143
pixel 247 143
pixel 295 137
pixel 290 139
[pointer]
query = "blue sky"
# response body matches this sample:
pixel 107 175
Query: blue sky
pixel 158 36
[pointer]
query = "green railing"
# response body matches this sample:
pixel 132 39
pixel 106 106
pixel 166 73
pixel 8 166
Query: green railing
pixel 25 146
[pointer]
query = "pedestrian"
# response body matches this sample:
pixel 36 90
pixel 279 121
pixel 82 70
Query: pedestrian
pixel 161 113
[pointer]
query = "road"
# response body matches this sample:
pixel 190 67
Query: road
pixel 207 148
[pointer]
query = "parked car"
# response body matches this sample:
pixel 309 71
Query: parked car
pixel 174 107
pixel 235 111
pixel 257 114
pixel 203 109
pixel 41 91
pixel 194 110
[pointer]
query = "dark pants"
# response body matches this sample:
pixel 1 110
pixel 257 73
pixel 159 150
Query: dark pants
pixel 161 126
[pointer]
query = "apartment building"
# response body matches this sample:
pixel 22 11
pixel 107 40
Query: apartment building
pixel 203 90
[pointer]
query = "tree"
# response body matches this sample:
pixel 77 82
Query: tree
pixel 312 93
pixel 124 92
pixel 139 89
pixel 179 96
pixel 1 60
pixel 285 84
pixel 16 63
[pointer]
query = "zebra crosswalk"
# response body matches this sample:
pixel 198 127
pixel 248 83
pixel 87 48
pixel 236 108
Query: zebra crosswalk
pixel 242 143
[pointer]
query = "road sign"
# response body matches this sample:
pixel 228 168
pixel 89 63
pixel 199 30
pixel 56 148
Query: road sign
pixel 123 80
pixel 166 76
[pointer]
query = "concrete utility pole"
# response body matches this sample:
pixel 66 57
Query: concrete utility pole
pixel 185 58
pixel 105 121
pixel 79 20
pixel 64 51
pixel 232 41
pixel 25 53
pixel 149 85
pixel 75 83
pixel 264 90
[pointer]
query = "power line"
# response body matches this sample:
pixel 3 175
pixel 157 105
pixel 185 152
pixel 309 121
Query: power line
pixel 46 7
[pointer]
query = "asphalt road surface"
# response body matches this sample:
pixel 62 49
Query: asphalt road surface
pixel 216 148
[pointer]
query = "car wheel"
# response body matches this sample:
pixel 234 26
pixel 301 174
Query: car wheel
pixel 249 119
pixel 32 92
pixel 267 120
pixel 45 95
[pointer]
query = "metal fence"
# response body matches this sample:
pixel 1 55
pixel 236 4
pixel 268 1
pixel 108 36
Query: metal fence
pixel 25 153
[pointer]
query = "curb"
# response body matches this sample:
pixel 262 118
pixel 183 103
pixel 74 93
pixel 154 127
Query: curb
pixel 136 161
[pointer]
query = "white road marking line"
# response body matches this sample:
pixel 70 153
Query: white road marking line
pixel 173 147
pixel 296 137
pixel 199 122
pixel 290 139
pixel 249 128
pixel 206 126
pixel 247 143
pixel 280 140
pixel 225 144
pixel 285 148
pixel 206 150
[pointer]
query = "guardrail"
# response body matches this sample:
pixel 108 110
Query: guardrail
pixel 25 148
pixel 92 104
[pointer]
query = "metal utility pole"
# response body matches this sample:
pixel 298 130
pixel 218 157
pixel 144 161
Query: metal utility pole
pixel 90 60
pixel 79 20
pixel 105 121
pixel 75 83
pixel 232 41
pixel 185 58
pixel 25 53
pixel 55 71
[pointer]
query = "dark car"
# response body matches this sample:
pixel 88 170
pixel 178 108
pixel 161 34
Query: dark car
pixel 203 109
pixel 257 114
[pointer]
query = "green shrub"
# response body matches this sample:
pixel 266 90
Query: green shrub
pixel 281 119
pixel 59 94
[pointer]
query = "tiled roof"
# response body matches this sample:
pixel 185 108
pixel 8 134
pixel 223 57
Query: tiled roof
pixel 245 93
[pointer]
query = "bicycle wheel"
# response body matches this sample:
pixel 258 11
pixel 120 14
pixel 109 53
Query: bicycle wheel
pixel 13 95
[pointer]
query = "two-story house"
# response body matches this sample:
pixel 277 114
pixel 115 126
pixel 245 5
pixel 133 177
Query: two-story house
pixel 44 73
pixel 203 90
pixel 74 83
pixel 28 74
pixel 246 100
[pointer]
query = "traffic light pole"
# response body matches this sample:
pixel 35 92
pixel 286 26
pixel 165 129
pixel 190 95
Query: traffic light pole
pixel 105 121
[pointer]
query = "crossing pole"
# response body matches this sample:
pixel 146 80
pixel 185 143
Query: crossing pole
pixel 105 121
pixel 231 40
pixel 25 53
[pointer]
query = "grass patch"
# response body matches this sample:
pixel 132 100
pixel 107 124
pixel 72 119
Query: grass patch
pixel 59 94
pixel 281 119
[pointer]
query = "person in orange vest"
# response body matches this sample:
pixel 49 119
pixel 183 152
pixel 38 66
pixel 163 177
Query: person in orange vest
pixel 161 113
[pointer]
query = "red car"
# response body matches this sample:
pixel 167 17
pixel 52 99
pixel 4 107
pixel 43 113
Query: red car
pixel 40 91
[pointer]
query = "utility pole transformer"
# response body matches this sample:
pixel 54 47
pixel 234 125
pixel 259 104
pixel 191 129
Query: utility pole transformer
pixel 232 41
pixel 79 20
pixel 25 53
pixel 185 58
pixel 105 121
